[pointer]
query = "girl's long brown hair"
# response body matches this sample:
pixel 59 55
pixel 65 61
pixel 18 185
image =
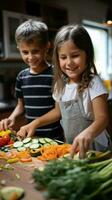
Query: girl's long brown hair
pixel 82 40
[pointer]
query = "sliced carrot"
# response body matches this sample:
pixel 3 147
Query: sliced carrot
pixel 54 151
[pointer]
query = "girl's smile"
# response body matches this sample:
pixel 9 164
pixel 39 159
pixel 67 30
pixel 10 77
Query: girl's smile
pixel 72 60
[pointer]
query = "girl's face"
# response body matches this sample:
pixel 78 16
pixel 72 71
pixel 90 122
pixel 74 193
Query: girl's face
pixel 72 60
pixel 33 55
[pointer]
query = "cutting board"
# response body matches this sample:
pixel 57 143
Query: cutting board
pixel 24 172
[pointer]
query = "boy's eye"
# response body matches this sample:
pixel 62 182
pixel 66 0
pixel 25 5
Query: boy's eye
pixel 36 51
pixel 25 52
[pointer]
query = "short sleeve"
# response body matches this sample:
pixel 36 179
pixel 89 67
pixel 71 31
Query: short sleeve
pixel 97 88
pixel 56 96
pixel 18 88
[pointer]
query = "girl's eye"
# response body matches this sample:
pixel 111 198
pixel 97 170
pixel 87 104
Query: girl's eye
pixel 62 57
pixel 75 55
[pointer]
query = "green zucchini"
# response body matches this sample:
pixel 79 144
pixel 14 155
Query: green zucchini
pixel 35 140
pixel 8 192
pixel 53 143
pixel 48 140
pixel 34 146
pixel 27 145
pixel 18 144
pixel 21 148
pixel 59 142
pixel 42 140
pixel 26 140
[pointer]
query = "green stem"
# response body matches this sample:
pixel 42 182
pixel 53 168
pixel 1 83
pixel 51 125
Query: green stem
pixel 102 188
pixel 100 164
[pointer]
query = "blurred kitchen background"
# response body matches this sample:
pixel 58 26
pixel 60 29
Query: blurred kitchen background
pixel 95 15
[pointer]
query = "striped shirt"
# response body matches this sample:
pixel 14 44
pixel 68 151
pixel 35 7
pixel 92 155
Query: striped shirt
pixel 35 89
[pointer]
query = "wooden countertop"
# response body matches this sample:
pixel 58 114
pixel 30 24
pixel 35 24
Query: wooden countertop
pixel 25 181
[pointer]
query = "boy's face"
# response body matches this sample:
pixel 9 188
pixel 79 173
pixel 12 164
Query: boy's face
pixel 33 55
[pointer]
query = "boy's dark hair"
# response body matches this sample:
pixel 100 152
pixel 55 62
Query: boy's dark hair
pixel 30 30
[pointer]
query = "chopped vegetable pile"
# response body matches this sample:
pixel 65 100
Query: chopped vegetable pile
pixel 33 143
pixel 75 179
pixel 6 138
pixel 43 148
pixel 54 151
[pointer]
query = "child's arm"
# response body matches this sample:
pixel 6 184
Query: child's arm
pixel 10 121
pixel 101 118
pixel 48 118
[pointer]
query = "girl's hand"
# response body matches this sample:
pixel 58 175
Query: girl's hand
pixel 6 124
pixel 26 131
pixel 82 142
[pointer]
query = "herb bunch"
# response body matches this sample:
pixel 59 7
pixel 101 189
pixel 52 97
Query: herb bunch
pixel 75 179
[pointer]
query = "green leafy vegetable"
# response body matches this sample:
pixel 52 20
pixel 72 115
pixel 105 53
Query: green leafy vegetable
pixel 75 179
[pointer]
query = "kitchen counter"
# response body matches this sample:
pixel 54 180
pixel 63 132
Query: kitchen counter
pixel 24 171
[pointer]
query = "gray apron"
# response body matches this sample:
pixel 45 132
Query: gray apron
pixel 74 120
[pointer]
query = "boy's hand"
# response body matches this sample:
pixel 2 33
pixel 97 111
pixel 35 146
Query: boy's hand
pixel 26 131
pixel 6 124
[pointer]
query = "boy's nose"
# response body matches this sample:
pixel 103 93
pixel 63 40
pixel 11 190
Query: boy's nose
pixel 30 55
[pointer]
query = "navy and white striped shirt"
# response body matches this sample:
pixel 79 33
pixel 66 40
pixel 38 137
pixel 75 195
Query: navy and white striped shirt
pixel 36 90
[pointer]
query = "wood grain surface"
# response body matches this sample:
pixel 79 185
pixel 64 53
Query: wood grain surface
pixel 24 172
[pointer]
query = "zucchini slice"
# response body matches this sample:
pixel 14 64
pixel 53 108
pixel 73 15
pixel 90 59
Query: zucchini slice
pixel 42 140
pixel 35 146
pixel 27 145
pixel 35 140
pixel 18 144
pixel 59 142
pixel 21 149
pixel 9 192
pixel 26 140
pixel 53 143
pixel 48 140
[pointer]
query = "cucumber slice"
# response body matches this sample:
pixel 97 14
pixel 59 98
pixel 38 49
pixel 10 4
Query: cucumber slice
pixel 58 141
pixel 18 144
pixel 26 140
pixel 46 144
pixel 27 145
pixel 35 140
pixel 21 149
pixel 48 140
pixel 9 192
pixel 42 140
pixel 53 143
pixel 35 146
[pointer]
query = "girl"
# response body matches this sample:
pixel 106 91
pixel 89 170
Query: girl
pixel 81 98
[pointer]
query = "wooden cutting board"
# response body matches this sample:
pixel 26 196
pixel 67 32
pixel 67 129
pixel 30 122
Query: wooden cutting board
pixel 21 176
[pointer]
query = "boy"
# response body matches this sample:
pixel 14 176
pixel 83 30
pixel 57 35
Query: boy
pixel 34 84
